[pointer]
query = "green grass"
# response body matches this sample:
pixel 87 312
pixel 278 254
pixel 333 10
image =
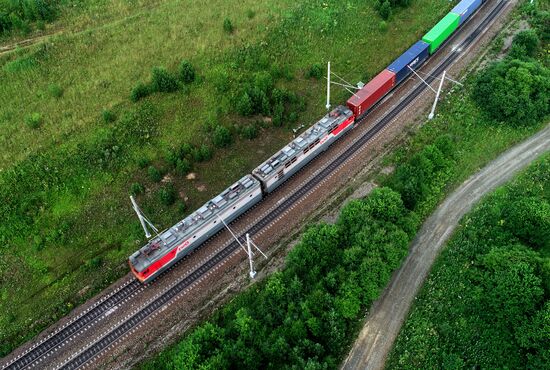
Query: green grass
pixel 68 226
pixel 485 303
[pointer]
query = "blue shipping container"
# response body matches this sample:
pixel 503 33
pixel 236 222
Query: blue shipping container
pixel 465 8
pixel 412 58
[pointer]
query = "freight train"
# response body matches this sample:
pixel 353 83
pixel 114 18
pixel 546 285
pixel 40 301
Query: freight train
pixel 165 249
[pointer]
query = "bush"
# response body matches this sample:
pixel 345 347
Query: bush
pixel 244 105
pixel 136 188
pixel 249 132
pixel 183 166
pixel 187 72
pixel 222 137
pixel 220 80
pixel 385 10
pixel 154 174
pixel 143 162
pixel 18 15
pixel 250 13
pixel 94 263
pixel 383 26
pixel 167 195
pixel 108 116
pixel 228 26
pixel 206 152
pixel 163 81
pixel 514 91
pixel 315 71
pixel 55 91
pixel 182 207
pixel 526 43
pixel 139 92
pixel 34 120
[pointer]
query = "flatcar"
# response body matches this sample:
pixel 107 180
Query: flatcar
pixel 166 248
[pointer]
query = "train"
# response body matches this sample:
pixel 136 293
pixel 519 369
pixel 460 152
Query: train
pixel 169 246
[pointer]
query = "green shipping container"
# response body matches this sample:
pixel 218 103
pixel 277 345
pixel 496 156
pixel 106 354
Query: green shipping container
pixel 441 31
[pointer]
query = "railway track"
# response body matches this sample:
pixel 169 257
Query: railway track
pixel 43 349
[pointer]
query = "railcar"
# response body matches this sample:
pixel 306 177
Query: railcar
pixel 161 252
pixel 287 161
pixel 165 249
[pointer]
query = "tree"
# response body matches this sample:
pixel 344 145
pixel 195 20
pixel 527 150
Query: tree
pixel 526 43
pixel 385 10
pixel 514 91
pixel 167 195
pixel 139 91
pixel 228 26
pixel 244 106
pixel 163 81
pixel 187 72
pixel 222 137
pixel 154 174
pixel 529 220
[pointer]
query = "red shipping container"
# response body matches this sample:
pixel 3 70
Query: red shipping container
pixel 372 92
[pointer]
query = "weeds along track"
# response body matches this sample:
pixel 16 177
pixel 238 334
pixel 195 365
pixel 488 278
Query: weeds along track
pixel 101 309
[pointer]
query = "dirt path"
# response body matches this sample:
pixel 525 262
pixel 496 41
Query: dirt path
pixel 389 312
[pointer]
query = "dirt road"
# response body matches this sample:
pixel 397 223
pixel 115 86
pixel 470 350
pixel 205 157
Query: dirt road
pixel 388 313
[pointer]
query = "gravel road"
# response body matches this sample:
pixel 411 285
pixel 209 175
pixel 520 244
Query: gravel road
pixel 389 312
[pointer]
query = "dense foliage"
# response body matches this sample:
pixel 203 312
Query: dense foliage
pixel 517 89
pixel 304 317
pixel 20 14
pixel 486 303
pixel 384 7
pixel 421 179
pixel 514 91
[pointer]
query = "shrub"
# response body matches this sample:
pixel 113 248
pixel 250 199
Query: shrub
pixel 55 91
pixel 220 80
pixel 94 263
pixel 264 82
pixel 383 26
pixel 163 81
pixel 250 13
pixel 526 43
pixel 18 15
pixel 210 124
pixel 228 26
pixel 34 120
pixel 222 137
pixel 172 157
pixel 244 105
pixel 182 207
pixel 249 132
pixel 185 150
pixel 187 72
pixel 385 10
pixel 139 92
pixel 206 152
pixel 143 162
pixel 136 188
pixel 514 91
pixel 183 166
pixel 167 195
pixel 154 174
pixel 108 116
pixel 315 71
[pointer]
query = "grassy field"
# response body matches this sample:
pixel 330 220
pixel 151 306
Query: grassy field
pixel 68 226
